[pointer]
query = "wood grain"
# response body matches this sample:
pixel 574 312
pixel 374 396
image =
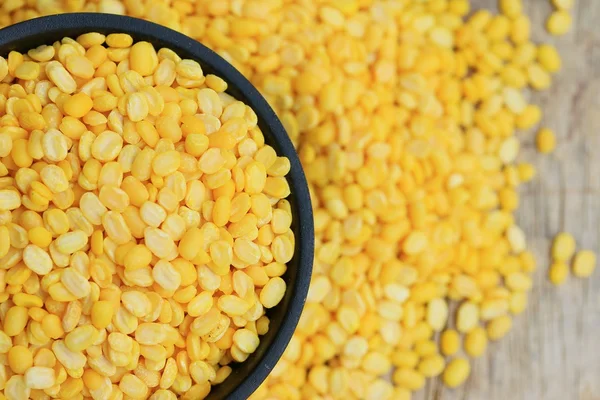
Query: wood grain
pixel 553 352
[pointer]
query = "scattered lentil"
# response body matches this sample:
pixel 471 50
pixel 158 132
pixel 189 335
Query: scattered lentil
pixel 563 247
pixel 584 263
pixel 559 22
pixel 545 141
pixel 457 372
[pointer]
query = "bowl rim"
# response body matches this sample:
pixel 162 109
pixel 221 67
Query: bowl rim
pixel 41 30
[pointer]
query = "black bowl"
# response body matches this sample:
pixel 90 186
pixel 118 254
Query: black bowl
pixel 247 376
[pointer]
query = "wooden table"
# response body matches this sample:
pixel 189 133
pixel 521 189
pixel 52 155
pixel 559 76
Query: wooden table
pixel 553 351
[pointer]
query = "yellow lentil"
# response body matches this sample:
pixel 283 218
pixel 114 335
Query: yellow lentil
pixel 457 372
pixel 476 342
pixel 450 342
pixel 559 22
pixel 545 141
pixel 584 263
pixel 558 272
pixel 548 57
pixel 409 379
pixel 563 247
pixel 20 359
pixel 499 327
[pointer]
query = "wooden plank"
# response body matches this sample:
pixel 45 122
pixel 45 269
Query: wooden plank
pixel 552 352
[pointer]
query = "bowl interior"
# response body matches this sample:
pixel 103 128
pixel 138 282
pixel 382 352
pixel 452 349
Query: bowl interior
pixel 246 376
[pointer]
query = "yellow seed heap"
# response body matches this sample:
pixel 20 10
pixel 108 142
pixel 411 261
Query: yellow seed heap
pixel 144 228
pixel 404 115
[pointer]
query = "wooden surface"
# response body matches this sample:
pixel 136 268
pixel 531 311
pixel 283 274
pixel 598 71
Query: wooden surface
pixel 553 351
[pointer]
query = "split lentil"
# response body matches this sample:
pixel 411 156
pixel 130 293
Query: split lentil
pixel 123 262
pixel 584 263
pixel 545 141
pixel 563 247
pixel 559 22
